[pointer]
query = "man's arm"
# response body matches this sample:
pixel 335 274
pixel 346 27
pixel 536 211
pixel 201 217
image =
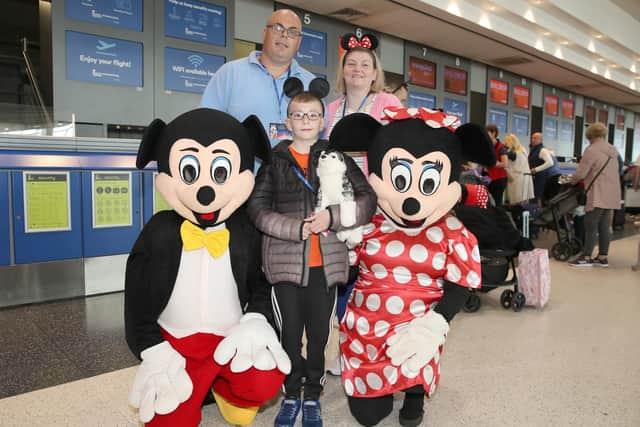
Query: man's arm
pixel 545 155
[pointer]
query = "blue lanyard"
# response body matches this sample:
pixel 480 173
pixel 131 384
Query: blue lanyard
pixel 344 106
pixel 302 178
pixel 280 96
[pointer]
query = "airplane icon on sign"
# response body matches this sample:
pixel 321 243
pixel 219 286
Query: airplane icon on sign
pixel 102 45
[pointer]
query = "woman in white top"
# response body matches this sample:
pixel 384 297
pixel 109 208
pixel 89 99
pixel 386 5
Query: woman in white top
pixel 520 183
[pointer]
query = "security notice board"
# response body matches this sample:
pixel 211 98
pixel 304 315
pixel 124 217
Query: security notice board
pixel 5 254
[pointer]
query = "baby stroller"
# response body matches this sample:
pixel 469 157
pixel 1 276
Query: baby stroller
pixel 558 205
pixel 500 242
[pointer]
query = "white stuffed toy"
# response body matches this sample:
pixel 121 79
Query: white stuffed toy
pixel 336 189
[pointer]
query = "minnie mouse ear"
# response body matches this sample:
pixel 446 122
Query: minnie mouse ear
pixel 293 86
pixel 346 41
pixel 319 87
pixel 373 40
pixel 354 132
pixel 147 150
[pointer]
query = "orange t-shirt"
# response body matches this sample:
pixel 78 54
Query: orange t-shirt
pixel 315 255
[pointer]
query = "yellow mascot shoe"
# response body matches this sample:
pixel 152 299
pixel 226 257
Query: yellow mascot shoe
pixel 235 415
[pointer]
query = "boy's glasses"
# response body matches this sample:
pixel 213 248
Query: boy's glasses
pixel 292 32
pixel 311 115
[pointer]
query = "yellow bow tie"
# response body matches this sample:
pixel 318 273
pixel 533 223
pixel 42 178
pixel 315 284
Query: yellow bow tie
pixel 194 237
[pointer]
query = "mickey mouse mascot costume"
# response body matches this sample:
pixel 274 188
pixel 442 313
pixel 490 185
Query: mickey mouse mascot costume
pixel 417 261
pixel 196 301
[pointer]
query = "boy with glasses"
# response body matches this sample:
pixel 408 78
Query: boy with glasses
pixel 254 84
pixel 303 258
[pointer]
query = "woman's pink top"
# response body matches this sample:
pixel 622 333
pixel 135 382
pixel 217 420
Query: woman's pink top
pixel 381 101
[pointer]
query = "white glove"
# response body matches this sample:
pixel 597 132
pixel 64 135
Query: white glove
pixel 161 383
pixel 417 343
pixel 252 342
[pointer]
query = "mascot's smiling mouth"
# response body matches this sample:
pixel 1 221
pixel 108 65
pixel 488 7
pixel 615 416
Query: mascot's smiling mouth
pixel 207 219
pixel 413 224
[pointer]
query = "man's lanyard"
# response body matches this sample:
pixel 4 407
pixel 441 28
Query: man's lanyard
pixel 302 178
pixel 344 105
pixel 280 96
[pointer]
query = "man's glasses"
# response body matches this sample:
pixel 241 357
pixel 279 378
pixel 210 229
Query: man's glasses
pixel 311 115
pixel 292 32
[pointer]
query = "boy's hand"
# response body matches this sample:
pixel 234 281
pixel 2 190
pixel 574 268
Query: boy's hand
pixel 319 222
pixel 306 230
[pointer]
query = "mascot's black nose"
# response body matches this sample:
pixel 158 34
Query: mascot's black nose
pixel 206 195
pixel 410 206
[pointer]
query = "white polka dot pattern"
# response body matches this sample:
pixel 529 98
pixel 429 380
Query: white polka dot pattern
pixel 359 297
pixel 435 234
pixel 453 223
pixel 362 325
pixel 360 386
pixel 401 275
pixel 427 374
pixel 374 381
pixel 461 251
pixel 394 305
pixel 418 253
pixel 394 249
pixel 438 261
pixel 350 319
pixel 424 279
pixel 379 271
pixel 391 374
pixel 373 246
pixel 348 387
pixel 417 308
pixel 453 273
pixel 381 328
pixel 373 302
pixel 473 279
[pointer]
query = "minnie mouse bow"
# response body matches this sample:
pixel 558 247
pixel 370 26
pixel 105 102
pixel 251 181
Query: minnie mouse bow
pixel 367 41
pixel 433 118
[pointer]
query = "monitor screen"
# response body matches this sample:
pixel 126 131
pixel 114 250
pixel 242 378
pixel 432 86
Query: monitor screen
pixel 422 73
pixel 455 80
pixel 498 91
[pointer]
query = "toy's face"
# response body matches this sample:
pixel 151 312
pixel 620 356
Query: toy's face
pixel 205 185
pixel 415 192
pixel 331 163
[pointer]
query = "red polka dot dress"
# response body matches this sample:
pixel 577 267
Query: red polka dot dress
pixel 401 276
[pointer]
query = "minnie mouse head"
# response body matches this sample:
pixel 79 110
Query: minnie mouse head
pixel 415 160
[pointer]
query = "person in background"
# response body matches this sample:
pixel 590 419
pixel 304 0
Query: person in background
pixel 359 80
pixel 497 173
pixel 542 163
pixel 402 93
pixel 603 196
pixel 520 183
pixel 254 84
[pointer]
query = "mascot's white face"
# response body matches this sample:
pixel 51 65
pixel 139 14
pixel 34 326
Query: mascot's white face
pixel 415 192
pixel 205 185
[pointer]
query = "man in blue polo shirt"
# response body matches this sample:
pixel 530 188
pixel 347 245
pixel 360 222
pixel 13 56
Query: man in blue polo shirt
pixel 254 85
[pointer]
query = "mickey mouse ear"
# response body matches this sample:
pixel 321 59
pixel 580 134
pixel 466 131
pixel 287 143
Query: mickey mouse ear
pixel 373 40
pixel 319 87
pixel 146 151
pixel 293 86
pixel 346 39
pixel 476 144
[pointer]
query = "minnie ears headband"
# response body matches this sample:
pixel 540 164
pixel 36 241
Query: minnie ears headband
pixel 367 41
pixel 318 87
pixel 433 118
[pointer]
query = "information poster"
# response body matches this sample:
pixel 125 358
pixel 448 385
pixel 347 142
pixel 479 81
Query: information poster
pixel 159 203
pixel 566 131
pixel 195 20
pixel 551 105
pixel 498 91
pixel 456 108
pixel 455 81
pixel 520 124
pixel 589 114
pixel 521 97
pixel 416 100
pixel 422 73
pixel 47 201
pixel 99 59
pixel 313 48
pixel 550 130
pixel 603 117
pixel 189 71
pixel 115 13
pixel 111 199
pixel 567 109
pixel 498 117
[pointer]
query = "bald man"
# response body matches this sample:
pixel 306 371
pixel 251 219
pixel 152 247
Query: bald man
pixel 254 84
pixel 543 164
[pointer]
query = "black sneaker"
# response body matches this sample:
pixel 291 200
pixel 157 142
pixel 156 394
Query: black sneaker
pixel 600 262
pixel 581 262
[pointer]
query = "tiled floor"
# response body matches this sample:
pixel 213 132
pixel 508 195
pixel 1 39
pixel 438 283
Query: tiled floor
pixel 573 363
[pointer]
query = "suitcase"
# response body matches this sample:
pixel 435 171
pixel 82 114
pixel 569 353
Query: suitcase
pixel 534 277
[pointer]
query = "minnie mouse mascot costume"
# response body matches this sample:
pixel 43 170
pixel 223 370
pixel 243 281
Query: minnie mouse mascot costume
pixel 196 302
pixel 417 261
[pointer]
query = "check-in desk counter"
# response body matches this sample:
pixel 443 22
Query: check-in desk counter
pixel 70 211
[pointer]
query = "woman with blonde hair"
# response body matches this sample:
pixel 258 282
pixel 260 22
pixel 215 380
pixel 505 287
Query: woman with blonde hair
pixel 360 80
pixel 520 183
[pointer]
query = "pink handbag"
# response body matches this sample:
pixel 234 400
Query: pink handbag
pixel 534 276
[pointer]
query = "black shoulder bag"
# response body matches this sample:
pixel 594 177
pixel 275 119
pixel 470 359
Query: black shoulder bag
pixel 581 195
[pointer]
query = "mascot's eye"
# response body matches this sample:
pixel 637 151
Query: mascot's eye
pixel 189 169
pixel 220 169
pixel 401 176
pixel 429 180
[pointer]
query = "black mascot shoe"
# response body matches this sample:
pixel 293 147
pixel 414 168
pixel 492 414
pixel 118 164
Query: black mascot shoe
pixel 412 411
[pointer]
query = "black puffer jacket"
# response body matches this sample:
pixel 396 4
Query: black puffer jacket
pixel 278 206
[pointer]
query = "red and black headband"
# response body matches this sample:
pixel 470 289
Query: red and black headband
pixel 367 41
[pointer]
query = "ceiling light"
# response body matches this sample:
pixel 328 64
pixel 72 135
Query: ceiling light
pixel 592 46
pixel 632 85
pixel 484 21
pixel 633 68
pixel 614 65
pixel 546 33
pixel 538 2
pixel 594 69
pixel 607 74
pixel 600 59
pixel 454 9
pixel 492 8
pixel 564 43
pixel 558 53
pixel 528 15
pixel 598 36
pixel 540 45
